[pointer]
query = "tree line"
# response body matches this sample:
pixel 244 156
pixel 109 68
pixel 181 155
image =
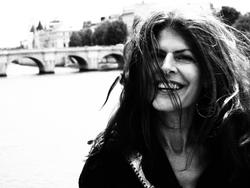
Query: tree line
pixel 234 18
pixel 106 33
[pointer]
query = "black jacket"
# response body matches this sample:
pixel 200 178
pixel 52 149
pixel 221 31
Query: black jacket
pixel 109 169
pixel 106 170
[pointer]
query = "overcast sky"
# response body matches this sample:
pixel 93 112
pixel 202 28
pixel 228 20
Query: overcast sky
pixel 17 16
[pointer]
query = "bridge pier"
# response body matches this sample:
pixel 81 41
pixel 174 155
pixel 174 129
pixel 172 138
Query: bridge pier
pixel 48 64
pixel 48 68
pixel 3 66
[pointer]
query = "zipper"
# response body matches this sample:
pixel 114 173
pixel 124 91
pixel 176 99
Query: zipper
pixel 135 163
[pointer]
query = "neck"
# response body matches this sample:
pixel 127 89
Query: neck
pixel 173 131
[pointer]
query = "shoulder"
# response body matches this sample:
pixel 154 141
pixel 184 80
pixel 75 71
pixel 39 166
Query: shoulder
pixel 107 169
pixel 93 173
pixel 236 136
pixel 237 127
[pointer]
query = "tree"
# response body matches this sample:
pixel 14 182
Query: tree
pixel 243 23
pixel 229 15
pixel 107 33
pixel 75 39
pixel 110 33
pixel 86 37
pixel 116 33
pixel 100 32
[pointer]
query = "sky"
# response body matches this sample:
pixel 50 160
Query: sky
pixel 18 16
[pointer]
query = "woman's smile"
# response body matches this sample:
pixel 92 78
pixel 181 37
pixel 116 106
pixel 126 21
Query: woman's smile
pixel 170 86
pixel 181 72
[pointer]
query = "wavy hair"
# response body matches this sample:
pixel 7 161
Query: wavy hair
pixel 224 103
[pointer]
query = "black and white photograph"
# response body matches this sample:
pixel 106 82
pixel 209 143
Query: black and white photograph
pixel 125 94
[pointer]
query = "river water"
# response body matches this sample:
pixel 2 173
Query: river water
pixel 46 121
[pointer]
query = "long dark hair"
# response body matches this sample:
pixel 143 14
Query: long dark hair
pixel 224 104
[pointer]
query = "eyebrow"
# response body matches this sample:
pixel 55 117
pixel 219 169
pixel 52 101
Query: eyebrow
pixel 182 50
pixel 176 51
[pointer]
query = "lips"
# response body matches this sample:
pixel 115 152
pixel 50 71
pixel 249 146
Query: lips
pixel 170 86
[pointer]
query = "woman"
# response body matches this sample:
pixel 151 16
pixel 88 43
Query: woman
pixel 183 118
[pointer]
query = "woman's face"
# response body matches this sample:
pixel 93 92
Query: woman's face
pixel 181 69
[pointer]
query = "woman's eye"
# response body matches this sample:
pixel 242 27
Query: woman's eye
pixel 184 58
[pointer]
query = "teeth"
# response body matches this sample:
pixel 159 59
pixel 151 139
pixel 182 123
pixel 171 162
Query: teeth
pixel 173 86
pixel 170 85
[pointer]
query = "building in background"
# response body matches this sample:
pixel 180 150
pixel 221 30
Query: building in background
pixel 55 35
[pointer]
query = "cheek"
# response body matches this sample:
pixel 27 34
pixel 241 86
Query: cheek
pixel 196 76
pixel 194 80
pixel 191 73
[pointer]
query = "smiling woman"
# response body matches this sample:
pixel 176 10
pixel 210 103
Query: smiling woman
pixel 178 64
pixel 183 118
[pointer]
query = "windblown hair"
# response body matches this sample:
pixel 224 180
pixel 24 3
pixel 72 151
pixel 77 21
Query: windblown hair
pixel 223 106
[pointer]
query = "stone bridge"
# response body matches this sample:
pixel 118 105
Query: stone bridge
pixel 86 58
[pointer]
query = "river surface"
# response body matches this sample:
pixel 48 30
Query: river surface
pixel 46 121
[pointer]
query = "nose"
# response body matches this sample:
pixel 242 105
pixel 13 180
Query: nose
pixel 169 64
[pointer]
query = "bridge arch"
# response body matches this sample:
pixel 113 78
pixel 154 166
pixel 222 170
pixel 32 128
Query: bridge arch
pixel 36 62
pixel 81 62
pixel 113 60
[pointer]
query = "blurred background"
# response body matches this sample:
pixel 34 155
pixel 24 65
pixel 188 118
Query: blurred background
pixel 58 60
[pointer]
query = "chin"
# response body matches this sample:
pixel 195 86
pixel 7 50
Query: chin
pixel 165 106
